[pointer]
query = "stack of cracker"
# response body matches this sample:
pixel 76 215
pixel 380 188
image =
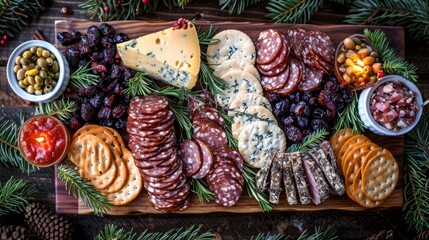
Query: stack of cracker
pixel 101 156
pixel 370 172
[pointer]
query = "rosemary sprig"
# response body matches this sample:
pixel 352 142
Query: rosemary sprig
pixel 212 83
pixel 83 77
pixel 268 236
pixel 79 187
pixel 63 108
pixel 111 231
pixel 199 187
pixel 9 151
pixel 232 142
pixel 182 116
pixel 205 36
pixel 310 141
pixel 392 64
pixel 15 195
pixel 349 117
pixel 249 178
pixel 320 233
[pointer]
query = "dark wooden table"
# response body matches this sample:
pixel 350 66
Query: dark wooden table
pixel 350 225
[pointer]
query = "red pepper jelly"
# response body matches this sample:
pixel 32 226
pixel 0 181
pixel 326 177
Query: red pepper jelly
pixel 43 140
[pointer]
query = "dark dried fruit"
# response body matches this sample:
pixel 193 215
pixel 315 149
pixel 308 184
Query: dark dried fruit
pixel 110 99
pixel 120 37
pixel 319 123
pixel 281 107
pixel 90 91
pixel 94 36
pixel 87 111
pixel 293 134
pixel 120 124
pixel 302 121
pixel 107 30
pixel 104 113
pixel 119 111
pixel 106 42
pixel 66 38
pixel 74 123
pixel 287 121
pixel 109 55
pixel 97 100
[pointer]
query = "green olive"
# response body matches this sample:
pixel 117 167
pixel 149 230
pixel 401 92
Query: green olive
pixel 341 58
pixel 22 84
pixel 27 54
pixel 24 61
pixel 16 68
pixel 373 54
pixel 367 70
pixel 20 75
pixel 54 83
pixel 51 74
pixel 18 60
pixel 33 50
pixel 37 86
pixel 349 44
pixel 39 51
pixel 43 74
pixel 31 79
pixel 347 78
pixel 56 76
pixel 49 61
pixel 357 48
pixel 26 82
pixel 368 60
pixel 55 67
pixel 30 89
pixel 38 67
pixel 48 80
pixel 46 53
pixel 29 66
pixel 364 45
pixel 42 63
pixel 39 80
pixel 52 56
pixel 38 92
pixel 47 88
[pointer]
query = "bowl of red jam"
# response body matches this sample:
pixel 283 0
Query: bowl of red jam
pixel 43 140
pixel 392 107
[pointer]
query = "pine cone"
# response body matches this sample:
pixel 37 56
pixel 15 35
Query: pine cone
pixel 47 224
pixel 13 232
pixel 383 235
pixel 422 235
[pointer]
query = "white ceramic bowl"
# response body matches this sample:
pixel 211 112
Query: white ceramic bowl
pixel 365 112
pixel 62 81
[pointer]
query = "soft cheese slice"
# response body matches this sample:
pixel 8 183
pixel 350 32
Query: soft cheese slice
pixel 170 55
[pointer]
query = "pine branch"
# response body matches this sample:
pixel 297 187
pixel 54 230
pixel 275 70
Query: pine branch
pixel 268 236
pixel 349 118
pixel 342 2
pixel 310 141
pixel 320 233
pixel 416 192
pixel 15 195
pixel 9 151
pixel 236 6
pixel 111 231
pixel 292 11
pixel 83 77
pixel 63 108
pixel 81 188
pixel 182 117
pixel 205 36
pixel 249 176
pixel 199 187
pixel 392 64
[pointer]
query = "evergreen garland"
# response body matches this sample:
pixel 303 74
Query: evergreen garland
pixel 15 195
pixel 236 6
pixel 63 108
pixel 292 11
pixel 15 14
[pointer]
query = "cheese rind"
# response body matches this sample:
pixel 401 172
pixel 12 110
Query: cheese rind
pixel 170 55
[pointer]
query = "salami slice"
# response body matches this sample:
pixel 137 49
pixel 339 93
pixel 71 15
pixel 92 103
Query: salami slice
pixel 284 53
pixel 208 160
pixel 295 76
pixel 209 113
pixel 227 192
pixel 191 156
pixel 270 83
pixel 149 104
pixel 210 132
pixel 322 45
pixel 268 46
pixel 311 80
pixel 232 154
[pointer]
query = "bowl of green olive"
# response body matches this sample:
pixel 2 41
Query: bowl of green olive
pixel 37 71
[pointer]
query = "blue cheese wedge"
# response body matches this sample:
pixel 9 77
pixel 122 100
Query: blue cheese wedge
pixel 251 114
pixel 238 82
pixel 233 44
pixel 258 139
pixel 170 55
pixel 242 101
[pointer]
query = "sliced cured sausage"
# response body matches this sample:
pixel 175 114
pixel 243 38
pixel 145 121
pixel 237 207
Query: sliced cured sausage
pixel 210 132
pixel 208 160
pixel 191 156
pixel 271 83
pixel 295 77
pixel 311 80
pixel 268 45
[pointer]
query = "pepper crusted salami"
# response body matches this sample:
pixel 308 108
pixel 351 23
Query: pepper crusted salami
pixel 268 45
pixel 208 160
pixel 191 156
pixel 272 83
pixel 295 77
pixel 210 132
pixel 281 58
pixel 311 80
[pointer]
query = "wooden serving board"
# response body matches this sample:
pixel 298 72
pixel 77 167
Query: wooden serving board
pixel 66 203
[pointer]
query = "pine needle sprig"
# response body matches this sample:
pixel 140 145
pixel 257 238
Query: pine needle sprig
pixel 212 83
pixel 392 64
pixel 205 36
pixel 81 188
pixel 200 188
pixel 249 176
pixel 15 195
pixel 416 192
pixel 236 7
pixel 181 114
pixel 310 141
pixel 268 236
pixel 349 117
pixel 292 11
pixel 63 109
pixel 342 1
pixel 320 233
pixel 111 231
pixel 83 77
pixel 9 151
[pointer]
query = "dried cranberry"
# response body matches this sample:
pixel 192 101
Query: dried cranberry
pixel 87 111
pixel 94 36
pixel 299 109
pixel 116 71
pixel 97 100
pixel 321 98
pixel 74 123
pixel 287 121
pixel 107 30
pixel 110 100
pixel 302 121
pixel 120 37
pixel 281 107
pixel 104 113
pixel 293 134
pixel 319 123
pixel 119 111
pixel 120 124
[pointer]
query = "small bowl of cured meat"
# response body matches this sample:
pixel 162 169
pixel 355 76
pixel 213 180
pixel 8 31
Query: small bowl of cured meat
pixel 392 107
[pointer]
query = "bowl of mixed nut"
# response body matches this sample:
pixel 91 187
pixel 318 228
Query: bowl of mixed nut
pixel 37 71
pixel 392 107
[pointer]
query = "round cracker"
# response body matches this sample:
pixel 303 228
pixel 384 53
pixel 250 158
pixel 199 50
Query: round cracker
pixel 122 174
pixel 258 140
pixel 90 153
pixel 251 114
pixel 358 194
pixel 236 64
pixel 233 44
pixel 133 185
pixel 349 176
pixel 353 152
pixel 101 132
pixel 104 180
pixel 338 139
pixel 374 153
pixel 380 176
pixel 242 101
pixel 353 141
pixel 238 82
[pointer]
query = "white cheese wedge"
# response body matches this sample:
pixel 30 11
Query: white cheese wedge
pixel 170 55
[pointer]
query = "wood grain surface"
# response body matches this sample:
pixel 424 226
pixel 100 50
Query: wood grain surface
pixel 350 224
pixel 68 204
